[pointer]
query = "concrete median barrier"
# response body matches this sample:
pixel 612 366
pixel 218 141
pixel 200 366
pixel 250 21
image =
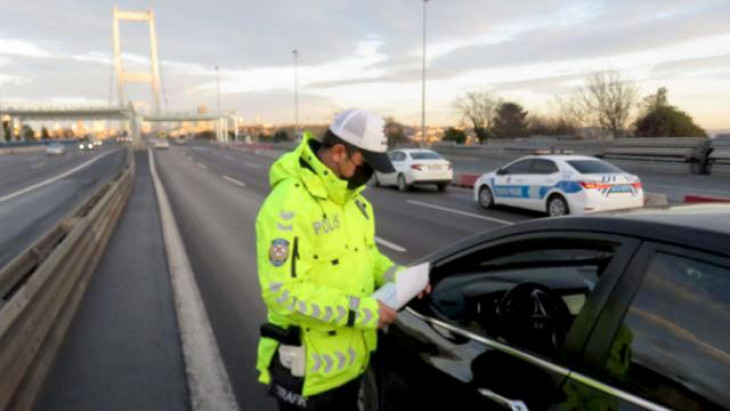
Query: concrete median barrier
pixel 41 290
pixel 20 150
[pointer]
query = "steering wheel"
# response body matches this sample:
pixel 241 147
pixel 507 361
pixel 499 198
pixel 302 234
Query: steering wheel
pixel 533 316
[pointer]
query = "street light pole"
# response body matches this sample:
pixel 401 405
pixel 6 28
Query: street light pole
pixel 296 94
pixel 218 82
pixel 423 81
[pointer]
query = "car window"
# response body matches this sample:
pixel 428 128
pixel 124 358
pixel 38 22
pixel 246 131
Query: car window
pixel 480 293
pixel 673 346
pixel 520 167
pixel 593 167
pixel 541 166
pixel 397 156
pixel 425 155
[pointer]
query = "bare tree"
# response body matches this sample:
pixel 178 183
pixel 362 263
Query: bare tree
pixel 607 101
pixel 477 109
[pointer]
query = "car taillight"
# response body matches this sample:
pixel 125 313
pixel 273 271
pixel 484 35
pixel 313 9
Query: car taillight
pixel 637 184
pixel 418 167
pixel 588 185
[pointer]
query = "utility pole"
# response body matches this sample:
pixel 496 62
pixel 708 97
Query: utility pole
pixel 218 82
pixel 295 52
pixel 423 81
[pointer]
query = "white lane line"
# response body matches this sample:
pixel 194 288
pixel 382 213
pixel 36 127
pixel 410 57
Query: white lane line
pixel 39 165
pixel 56 178
pixel 252 165
pixel 234 181
pixel 203 166
pixel 208 382
pixel 390 245
pixel 464 213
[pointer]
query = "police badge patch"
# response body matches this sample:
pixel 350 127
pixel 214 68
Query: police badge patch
pixel 279 252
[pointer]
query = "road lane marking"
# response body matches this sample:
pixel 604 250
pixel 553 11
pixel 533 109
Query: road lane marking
pixel 39 165
pixel 252 165
pixel 229 158
pixel 390 245
pixel 234 181
pixel 208 382
pixel 56 178
pixel 464 213
pixel 203 166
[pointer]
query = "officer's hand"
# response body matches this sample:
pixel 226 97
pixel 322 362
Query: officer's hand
pixel 426 291
pixel 386 315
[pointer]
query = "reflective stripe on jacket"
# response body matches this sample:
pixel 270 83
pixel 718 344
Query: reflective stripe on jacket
pixel 318 265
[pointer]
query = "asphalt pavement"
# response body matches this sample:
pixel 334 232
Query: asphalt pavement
pixel 33 199
pixel 216 194
pixel 122 351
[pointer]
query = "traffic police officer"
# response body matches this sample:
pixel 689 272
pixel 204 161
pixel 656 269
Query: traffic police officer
pixel 318 265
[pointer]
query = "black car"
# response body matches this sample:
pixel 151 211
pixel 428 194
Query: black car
pixel 625 311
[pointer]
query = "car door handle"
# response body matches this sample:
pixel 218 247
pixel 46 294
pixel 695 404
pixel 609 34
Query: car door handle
pixel 513 405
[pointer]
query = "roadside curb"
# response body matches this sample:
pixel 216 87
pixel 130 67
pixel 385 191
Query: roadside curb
pixel 208 382
pixel 465 180
pixel 705 199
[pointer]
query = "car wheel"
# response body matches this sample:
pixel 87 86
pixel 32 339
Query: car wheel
pixel 557 206
pixel 367 397
pixel 442 187
pixel 376 182
pixel 402 185
pixel 486 199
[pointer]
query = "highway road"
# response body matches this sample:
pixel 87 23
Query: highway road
pixel 37 191
pixel 216 194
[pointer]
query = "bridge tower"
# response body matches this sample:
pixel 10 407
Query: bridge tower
pixel 123 77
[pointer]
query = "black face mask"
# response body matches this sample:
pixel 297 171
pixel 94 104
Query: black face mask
pixel 360 177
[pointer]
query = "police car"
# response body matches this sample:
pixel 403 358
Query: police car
pixel 560 185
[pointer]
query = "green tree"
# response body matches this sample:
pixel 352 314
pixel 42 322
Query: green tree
pixel 510 121
pixel 661 119
pixel 667 121
pixel 27 133
pixel 455 135
pixel 395 132
pixel 7 131
pixel 44 134
pixel 655 101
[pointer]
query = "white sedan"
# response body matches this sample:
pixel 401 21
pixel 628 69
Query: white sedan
pixel 161 144
pixel 560 185
pixel 55 149
pixel 416 167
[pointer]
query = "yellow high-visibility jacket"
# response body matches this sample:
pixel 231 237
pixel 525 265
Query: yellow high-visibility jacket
pixel 318 265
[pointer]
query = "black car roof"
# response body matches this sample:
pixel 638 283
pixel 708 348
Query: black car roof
pixel 705 227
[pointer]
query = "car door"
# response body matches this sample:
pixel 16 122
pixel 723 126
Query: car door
pixel 396 158
pixel 663 340
pixel 455 348
pixel 509 184
pixel 543 175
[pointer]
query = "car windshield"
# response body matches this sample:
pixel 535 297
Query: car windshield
pixel 593 167
pixel 425 155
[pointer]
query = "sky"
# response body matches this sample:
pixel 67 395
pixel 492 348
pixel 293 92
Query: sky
pixel 368 54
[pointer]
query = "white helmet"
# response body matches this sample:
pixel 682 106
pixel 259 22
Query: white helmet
pixel 366 131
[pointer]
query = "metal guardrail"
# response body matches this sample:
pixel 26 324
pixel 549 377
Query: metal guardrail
pixel 653 149
pixel 40 290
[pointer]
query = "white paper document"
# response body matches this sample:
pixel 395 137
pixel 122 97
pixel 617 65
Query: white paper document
pixel 409 283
